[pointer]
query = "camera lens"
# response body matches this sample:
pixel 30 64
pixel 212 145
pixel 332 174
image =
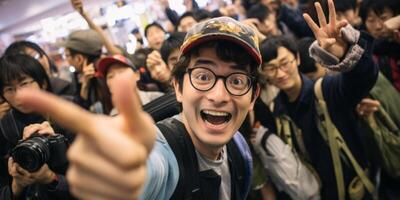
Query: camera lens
pixel 32 153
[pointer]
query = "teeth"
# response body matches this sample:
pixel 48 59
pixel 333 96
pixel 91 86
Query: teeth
pixel 216 113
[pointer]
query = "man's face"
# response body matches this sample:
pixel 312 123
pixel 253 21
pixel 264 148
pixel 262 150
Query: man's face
pixel 186 23
pixel 155 37
pixel 11 90
pixel 375 23
pixel 282 71
pixel 173 58
pixel 212 117
pixel 269 26
pixel 73 60
pixel 160 73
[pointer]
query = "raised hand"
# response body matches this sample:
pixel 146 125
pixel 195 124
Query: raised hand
pixel 108 157
pixel 328 34
pixel 77 5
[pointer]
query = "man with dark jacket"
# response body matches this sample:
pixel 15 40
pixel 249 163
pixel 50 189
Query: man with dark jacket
pixel 341 48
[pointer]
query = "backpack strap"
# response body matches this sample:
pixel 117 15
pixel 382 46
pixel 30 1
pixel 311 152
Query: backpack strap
pixel 179 140
pixel 10 129
pixel 243 161
pixel 336 143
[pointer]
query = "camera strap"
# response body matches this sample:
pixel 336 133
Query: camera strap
pixel 9 128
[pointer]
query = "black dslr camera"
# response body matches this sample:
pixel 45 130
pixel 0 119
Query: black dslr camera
pixel 32 153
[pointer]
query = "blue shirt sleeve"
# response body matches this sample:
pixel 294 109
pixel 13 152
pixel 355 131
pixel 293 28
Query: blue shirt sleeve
pixel 162 171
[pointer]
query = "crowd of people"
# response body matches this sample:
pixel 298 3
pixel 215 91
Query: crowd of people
pixel 268 99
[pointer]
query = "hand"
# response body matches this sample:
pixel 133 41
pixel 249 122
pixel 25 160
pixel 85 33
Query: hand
pixel 118 147
pixel 23 178
pixel 20 180
pixel 42 129
pixel 367 107
pixel 328 34
pixel 254 23
pixel 77 5
pixel 88 73
pixel 157 67
pixel 4 107
pixel 392 25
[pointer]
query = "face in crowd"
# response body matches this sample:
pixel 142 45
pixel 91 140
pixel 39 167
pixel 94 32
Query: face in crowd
pixel 155 37
pixel 282 71
pixel 375 22
pixel 216 96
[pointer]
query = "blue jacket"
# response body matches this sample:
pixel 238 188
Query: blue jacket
pixel 342 93
pixel 163 169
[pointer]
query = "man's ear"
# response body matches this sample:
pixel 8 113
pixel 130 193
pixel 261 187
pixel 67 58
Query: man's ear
pixel 45 85
pixel 298 60
pixel 178 92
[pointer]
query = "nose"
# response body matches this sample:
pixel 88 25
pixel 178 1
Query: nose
pixel 219 94
pixel 280 72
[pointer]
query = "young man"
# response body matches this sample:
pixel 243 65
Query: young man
pixel 16 182
pixel 155 35
pixel 130 158
pixel 341 48
pixel 82 51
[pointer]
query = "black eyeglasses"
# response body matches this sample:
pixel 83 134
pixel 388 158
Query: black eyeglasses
pixel 203 79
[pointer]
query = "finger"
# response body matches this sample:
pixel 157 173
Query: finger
pixel 76 119
pixel 332 14
pixel 29 130
pixel 341 25
pixel 22 171
pixel 85 179
pixel 370 102
pixel 128 104
pixel 327 42
pixel 313 26
pixel 321 15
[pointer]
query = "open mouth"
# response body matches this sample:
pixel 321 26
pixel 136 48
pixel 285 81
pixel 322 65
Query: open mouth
pixel 215 117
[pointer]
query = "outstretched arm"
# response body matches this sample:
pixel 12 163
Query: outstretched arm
pixel 111 48
pixel 108 157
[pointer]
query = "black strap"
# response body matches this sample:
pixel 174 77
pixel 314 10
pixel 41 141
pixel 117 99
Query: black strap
pixel 163 107
pixel 175 133
pixel 237 168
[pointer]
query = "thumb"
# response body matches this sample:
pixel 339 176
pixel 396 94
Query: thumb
pixel 128 104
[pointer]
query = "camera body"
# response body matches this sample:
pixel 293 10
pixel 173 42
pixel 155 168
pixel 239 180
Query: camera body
pixel 32 153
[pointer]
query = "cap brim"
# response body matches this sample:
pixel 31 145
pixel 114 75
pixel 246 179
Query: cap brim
pixel 222 36
pixel 105 63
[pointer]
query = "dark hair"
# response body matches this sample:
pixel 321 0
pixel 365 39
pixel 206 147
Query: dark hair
pixel 226 51
pixel 269 47
pixel 307 63
pixel 90 58
pixel 202 14
pixel 151 25
pixel 20 47
pixel 186 14
pixel 16 66
pixel 174 41
pixel 345 5
pixel 377 6
pixel 258 11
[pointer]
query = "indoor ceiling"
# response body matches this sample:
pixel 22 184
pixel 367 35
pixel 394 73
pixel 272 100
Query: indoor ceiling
pixel 16 14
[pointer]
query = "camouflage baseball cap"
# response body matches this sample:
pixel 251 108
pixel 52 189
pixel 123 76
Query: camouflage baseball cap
pixel 223 28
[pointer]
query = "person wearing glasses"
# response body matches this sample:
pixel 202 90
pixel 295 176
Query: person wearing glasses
pixel 197 154
pixel 19 72
pixel 341 48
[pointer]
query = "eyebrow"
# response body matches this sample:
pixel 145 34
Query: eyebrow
pixel 209 62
